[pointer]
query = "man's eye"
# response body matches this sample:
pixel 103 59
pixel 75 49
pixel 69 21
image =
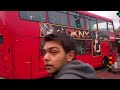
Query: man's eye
pixel 43 52
pixel 54 52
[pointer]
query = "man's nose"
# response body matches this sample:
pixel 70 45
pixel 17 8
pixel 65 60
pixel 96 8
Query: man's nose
pixel 46 57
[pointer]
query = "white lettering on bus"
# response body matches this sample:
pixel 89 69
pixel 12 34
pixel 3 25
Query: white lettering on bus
pixel 77 33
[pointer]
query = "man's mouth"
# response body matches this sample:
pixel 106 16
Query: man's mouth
pixel 48 66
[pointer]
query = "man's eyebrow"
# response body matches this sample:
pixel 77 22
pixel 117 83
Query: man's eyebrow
pixel 50 48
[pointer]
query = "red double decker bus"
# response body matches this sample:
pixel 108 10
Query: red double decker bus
pixel 21 33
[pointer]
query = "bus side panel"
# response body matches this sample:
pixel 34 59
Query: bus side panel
pixel 22 59
pixel 83 58
pixel 90 59
pixel 38 68
pixel 27 61
pixel 97 61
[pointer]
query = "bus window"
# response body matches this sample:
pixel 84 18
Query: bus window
pixel 87 24
pixel 82 22
pixel 88 46
pixel 110 27
pixel 81 47
pixel 1 39
pixel 102 25
pixel 76 20
pixel 58 17
pixel 91 23
pixel 33 15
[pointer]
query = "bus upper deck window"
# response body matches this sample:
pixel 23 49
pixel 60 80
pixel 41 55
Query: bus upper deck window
pixel 58 17
pixel 1 39
pixel 76 19
pixel 110 27
pixel 91 22
pixel 102 25
pixel 39 16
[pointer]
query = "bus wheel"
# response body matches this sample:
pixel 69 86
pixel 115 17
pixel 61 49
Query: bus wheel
pixel 105 62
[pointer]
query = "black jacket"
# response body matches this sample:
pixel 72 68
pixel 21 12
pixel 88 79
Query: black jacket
pixel 76 69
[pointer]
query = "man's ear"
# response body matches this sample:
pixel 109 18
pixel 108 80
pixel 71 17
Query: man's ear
pixel 70 55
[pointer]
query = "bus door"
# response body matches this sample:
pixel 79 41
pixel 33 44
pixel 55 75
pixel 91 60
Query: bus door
pixel 5 56
pixel 113 51
pixel 1 53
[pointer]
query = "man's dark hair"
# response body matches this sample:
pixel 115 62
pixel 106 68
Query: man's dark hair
pixel 66 41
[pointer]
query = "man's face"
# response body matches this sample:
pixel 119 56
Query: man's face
pixel 54 56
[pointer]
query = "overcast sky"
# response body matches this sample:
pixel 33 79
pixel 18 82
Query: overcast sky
pixel 109 14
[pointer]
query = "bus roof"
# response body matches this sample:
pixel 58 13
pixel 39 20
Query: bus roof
pixel 95 15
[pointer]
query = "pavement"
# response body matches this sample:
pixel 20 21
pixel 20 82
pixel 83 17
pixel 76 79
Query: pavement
pixel 107 75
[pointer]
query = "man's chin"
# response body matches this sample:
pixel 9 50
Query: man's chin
pixel 49 71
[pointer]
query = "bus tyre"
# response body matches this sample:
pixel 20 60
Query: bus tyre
pixel 105 63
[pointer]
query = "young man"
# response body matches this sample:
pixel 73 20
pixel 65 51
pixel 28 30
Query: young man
pixel 59 52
